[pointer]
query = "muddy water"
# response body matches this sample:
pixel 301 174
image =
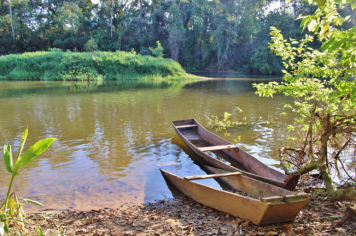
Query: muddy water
pixel 113 137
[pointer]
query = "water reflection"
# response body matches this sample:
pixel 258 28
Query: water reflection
pixel 223 87
pixel 114 136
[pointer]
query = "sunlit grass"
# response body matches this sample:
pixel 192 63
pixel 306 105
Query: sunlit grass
pixel 74 66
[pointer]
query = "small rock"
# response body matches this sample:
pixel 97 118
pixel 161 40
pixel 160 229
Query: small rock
pixel 223 230
pixel 340 231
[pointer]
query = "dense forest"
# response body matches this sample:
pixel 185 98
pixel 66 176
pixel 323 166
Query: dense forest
pixel 199 34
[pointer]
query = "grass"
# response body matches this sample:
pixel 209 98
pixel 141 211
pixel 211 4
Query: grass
pixel 75 66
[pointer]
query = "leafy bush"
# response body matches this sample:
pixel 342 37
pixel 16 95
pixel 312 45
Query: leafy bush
pixel 55 50
pixel 91 45
pixel 86 66
pixel 322 84
pixel 158 51
pixel 10 208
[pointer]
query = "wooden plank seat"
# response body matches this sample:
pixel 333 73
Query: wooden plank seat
pixel 186 126
pixel 217 148
pixel 212 176
pixel 285 198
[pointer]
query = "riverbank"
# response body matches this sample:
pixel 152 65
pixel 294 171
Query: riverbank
pixel 85 66
pixel 187 217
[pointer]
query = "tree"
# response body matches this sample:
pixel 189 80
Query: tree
pixel 260 59
pixel 69 14
pixel 322 81
pixel 176 31
pixel 12 27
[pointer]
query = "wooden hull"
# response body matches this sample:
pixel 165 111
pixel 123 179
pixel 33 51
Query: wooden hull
pixel 257 211
pixel 251 166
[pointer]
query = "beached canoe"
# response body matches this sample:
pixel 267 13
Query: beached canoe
pixel 211 148
pixel 264 203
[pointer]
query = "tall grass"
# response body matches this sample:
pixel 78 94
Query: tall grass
pixel 87 66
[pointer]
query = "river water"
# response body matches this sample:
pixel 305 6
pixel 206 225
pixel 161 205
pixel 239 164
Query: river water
pixel 114 136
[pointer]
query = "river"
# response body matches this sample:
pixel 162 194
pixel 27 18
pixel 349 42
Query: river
pixel 113 136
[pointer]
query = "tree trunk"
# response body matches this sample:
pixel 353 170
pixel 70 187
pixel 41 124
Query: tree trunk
pixel 34 6
pixel 321 163
pixel 173 42
pixel 111 15
pixel 141 9
pixel 347 194
pixel 12 28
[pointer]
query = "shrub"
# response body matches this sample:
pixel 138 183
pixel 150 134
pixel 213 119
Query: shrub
pixel 86 66
pixel 91 45
pixel 158 51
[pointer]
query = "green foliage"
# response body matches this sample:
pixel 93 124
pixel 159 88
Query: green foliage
pixel 54 50
pixel 176 32
pixel 10 208
pixel 39 231
pixel 158 51
pixel 213 121
pixel 68 14
pixel 86 66
pixel 325 76
pixel 227 122
pixel 322 81
pixel 133 52
pixel 261 59
pixel 91 45
pixel 202 34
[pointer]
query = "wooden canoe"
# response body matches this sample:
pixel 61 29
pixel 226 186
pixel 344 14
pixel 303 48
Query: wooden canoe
pixel 201 141
pixel 273 204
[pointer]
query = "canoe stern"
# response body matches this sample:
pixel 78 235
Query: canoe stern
pixel 231 203
pixel 283 211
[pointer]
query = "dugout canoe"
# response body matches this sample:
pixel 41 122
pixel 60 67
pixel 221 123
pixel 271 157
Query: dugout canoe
pixel 206 144
pixel 266 203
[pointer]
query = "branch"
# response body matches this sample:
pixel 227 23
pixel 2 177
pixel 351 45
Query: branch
pixel 343 167
pixel 337 168
pixel 311 152
pixel 311 166
pixel 306 139
pixel 284 149
pixel 349 214
pixel 341 149
pixel 348 194
pixel 281 160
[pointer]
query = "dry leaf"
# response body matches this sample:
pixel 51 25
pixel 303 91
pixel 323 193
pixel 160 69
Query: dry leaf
pixel 246 223
pixel 270 233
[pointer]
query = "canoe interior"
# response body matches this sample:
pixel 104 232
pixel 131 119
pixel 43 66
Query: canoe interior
pixel 252 187
pixel 177 193
pixel 198 136
pixel 256 211
pixel 200 161
pixel 193 136
pixel 220 155
pixel 225 163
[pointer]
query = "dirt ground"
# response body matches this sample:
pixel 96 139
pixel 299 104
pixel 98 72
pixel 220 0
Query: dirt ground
pixel 187 217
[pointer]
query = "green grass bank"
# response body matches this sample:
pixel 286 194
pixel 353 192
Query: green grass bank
pixel 77 66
